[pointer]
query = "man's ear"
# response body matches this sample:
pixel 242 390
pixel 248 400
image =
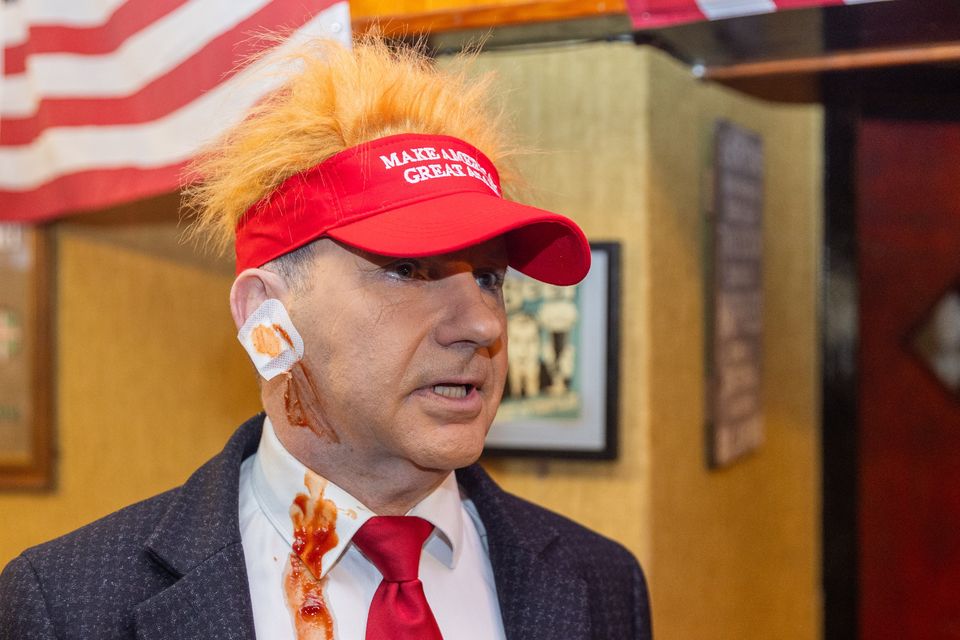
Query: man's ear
pixel 251 288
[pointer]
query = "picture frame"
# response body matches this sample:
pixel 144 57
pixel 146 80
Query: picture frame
pixel 733 346
pixel 562 394
pixel 26 357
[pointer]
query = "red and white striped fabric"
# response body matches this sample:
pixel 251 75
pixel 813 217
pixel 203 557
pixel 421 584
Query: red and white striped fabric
pixel 650 14
pixel 104 101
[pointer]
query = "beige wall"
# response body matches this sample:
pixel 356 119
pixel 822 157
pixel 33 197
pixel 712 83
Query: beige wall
pixel 736 553
pixel 150 381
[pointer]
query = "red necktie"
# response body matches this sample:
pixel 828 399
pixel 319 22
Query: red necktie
pixel 399 610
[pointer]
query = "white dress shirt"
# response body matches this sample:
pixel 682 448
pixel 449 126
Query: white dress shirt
pixel 454 567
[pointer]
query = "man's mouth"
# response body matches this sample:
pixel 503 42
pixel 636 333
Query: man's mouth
pixel 453 390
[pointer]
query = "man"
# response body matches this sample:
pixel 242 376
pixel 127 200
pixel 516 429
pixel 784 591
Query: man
pixel 372 239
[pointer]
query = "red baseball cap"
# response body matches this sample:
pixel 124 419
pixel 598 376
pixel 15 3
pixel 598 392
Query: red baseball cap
pixel 410 195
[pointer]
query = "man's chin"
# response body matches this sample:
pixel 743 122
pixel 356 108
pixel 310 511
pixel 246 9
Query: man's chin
pixel 450 458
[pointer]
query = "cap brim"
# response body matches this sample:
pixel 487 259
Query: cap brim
pixel 543 245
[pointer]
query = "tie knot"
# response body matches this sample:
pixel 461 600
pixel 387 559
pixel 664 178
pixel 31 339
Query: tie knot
pixel 393 544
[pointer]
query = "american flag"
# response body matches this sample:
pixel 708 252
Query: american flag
pixel 105 101
pixel 649 14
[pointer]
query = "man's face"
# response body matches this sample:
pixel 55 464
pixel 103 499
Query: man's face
pixel 409 355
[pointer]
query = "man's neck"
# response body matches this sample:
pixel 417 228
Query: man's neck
pixel 387 488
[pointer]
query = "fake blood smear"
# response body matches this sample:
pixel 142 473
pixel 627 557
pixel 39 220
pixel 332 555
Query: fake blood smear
pixel 283 334
pixel 314 533
pixel 301 399
pixel 295 411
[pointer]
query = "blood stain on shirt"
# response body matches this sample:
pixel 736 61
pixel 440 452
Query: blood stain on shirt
pixel 314 533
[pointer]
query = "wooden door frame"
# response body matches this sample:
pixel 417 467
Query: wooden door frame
pixel 913 93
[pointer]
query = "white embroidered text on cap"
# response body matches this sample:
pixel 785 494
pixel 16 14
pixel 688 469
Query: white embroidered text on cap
pixel 270 338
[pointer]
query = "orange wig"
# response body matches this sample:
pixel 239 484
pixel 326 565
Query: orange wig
pixel 336 98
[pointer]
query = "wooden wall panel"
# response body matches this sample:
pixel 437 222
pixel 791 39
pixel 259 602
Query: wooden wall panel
pixel 427 16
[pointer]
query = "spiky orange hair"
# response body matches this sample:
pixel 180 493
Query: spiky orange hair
pixel 335 99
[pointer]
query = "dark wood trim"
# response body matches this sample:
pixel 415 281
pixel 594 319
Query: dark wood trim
pixel 842 99
pixel 840 335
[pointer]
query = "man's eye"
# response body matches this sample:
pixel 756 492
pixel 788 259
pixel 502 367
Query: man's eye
pixel 404 269
pixel 489 279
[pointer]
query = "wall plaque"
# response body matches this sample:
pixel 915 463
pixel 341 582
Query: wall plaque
pixel 25 358
pixel 735 301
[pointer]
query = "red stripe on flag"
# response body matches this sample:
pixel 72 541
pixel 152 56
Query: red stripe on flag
pixel 88 190
pixel 203 71
pixel 650 14
pixel 128 19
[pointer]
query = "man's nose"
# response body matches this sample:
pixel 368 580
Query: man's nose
pixel 472 316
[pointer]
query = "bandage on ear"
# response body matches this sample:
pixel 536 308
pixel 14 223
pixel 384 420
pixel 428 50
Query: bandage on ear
pixel 271 340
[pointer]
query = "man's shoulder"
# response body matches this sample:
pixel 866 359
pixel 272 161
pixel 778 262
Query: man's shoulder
pixel 87 578
pixel 530 521
pixel 574 569
pixel 93 576
pixel 126 531
pixel 117 537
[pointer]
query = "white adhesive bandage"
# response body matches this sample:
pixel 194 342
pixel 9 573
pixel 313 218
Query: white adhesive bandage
pixel 270 339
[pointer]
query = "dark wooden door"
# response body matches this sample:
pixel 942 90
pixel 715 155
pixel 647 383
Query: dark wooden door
pixel 908 232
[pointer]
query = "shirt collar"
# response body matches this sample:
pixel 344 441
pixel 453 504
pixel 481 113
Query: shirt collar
pixel 278 478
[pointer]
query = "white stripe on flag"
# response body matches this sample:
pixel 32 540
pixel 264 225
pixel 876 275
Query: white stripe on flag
pixel 149 54
pixel 720 9
pixel 176 137
pixel 15 17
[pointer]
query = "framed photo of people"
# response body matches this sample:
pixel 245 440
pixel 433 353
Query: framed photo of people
pixel 26 430
pixel 561 396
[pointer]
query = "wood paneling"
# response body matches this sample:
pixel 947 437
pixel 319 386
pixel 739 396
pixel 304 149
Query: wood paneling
pixel 410 17
pixel 908 216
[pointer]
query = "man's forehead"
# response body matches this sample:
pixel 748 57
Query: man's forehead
pixel 490 252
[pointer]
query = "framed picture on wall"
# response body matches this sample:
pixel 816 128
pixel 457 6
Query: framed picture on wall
pixel 26 421
pixel 734 304
pixel 561 396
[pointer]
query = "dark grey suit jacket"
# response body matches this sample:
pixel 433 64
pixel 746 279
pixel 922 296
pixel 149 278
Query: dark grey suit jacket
pixel 172 567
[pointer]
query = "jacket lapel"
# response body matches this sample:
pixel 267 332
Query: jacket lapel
pixel 538 599
pixel 198 542
pixel 212 601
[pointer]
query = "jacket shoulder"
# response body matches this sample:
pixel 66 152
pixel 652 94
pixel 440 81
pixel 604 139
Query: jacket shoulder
pixel 616 589
pixel 87 579
pixel 527 520
pixel 584 546
pixel 87 584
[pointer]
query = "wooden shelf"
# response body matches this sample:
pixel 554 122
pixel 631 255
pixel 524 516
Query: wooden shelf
pixel 511 13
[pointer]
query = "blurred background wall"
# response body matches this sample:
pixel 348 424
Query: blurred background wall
pixel 150 381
